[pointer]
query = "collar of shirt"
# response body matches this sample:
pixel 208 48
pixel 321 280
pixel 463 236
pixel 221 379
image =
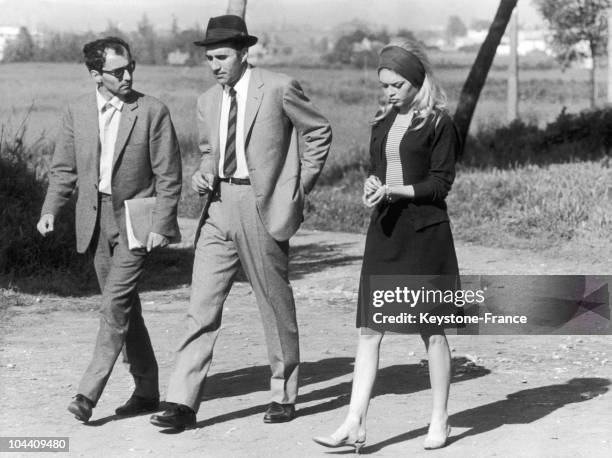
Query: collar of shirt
pixel 114 101
pixel 241 87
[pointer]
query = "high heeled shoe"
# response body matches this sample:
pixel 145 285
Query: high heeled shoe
pixel 439 442
pixel 328 441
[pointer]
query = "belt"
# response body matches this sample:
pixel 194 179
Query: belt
pixel 104 196
pixel 232 180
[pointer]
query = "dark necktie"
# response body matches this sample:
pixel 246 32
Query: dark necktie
pixel 229 166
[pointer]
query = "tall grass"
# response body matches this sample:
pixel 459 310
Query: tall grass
pixel 23 251
pixel 534 205
pixel 531 206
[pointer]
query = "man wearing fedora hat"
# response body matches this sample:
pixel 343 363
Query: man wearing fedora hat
pixel 256 180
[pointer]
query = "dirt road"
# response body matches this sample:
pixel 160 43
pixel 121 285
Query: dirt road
pixel 513 396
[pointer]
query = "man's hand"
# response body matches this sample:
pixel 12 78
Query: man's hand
pixel 45 224
pixel 155 240
pixel 202 182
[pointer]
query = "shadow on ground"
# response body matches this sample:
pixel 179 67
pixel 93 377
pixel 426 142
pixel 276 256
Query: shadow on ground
pixel 522 407
pixel 397 379
pixel 171 268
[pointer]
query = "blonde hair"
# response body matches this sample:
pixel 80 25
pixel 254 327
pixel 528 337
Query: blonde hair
pixel 430 100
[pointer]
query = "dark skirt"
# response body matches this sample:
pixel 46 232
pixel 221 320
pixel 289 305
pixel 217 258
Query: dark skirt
pixel 394 248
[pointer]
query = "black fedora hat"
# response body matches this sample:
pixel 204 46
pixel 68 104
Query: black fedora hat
pixel 227 28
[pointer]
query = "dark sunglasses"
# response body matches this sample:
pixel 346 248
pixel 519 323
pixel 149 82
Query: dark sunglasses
pixel 119 72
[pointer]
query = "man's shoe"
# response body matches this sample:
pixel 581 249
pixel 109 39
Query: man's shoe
pixel 178 416
pixel 81 407
pixel 279 413
pixel 137 405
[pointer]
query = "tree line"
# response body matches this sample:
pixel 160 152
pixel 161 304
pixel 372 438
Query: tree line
pixel 147 44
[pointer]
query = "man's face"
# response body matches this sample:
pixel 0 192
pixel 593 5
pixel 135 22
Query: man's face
pixel 115 79
pixel 226 63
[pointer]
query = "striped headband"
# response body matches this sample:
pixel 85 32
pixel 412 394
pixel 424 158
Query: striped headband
pixel 403 63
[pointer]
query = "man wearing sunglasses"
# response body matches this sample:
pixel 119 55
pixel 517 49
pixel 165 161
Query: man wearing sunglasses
pixel 115 144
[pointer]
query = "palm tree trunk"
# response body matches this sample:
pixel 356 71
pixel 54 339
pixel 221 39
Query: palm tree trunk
pixel 478 74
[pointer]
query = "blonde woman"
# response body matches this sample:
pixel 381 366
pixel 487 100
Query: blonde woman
pixel 413 149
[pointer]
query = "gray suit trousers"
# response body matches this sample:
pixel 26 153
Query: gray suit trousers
pixel 121 323
pixel 233 233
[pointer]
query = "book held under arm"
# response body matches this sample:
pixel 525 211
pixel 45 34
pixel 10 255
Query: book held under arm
pixel 139 222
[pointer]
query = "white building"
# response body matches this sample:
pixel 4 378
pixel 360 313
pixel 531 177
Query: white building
pixel 7 34
pixel 473 37
pixel 528 41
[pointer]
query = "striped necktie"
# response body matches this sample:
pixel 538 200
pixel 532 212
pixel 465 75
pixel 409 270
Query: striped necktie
pixel 229 166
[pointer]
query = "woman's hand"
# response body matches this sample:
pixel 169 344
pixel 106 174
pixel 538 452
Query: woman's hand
pixel 373 191
pixel 371 185
pixel 370 200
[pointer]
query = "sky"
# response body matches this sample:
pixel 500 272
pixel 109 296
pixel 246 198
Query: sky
pixel 81 15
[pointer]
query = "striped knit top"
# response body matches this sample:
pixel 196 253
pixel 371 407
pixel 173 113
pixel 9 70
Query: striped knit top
pixel 400 125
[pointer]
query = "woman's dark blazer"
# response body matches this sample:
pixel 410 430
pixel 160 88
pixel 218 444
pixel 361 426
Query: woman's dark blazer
pixel 428 158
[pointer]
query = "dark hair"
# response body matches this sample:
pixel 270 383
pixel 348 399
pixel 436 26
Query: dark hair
pixel 95 51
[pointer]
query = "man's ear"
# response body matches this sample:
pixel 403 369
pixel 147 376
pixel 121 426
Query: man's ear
pixel 96 76
pixel 245 54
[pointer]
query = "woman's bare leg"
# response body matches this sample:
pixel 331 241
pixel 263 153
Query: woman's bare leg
pixel 439 376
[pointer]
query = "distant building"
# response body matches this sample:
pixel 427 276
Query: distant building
pixel 528 41
pixel 270 53
pixel 7 34
pixel 178 57
pixel 472 38
pixel 368 45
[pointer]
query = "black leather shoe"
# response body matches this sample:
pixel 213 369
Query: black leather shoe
pixel 81 407
pixel 178 416
pixel 137 405
pixel 279 413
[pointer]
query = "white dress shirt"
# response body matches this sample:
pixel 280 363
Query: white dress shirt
pixel 241 88
pixel 109 115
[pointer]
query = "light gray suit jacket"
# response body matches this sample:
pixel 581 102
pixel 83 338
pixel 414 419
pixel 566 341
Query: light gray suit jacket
pixel 279 174
pixel 146 163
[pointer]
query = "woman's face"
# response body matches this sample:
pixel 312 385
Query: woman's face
pixel 398 90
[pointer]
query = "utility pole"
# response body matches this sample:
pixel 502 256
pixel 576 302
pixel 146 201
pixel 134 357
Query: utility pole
pixel 513 69
pixel 610 55
pixel 237 7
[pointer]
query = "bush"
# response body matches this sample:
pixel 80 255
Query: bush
pixel 23 251
pixel 585 136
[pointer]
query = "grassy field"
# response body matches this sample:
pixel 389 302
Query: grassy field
pixel 348 96
pixel 533 206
